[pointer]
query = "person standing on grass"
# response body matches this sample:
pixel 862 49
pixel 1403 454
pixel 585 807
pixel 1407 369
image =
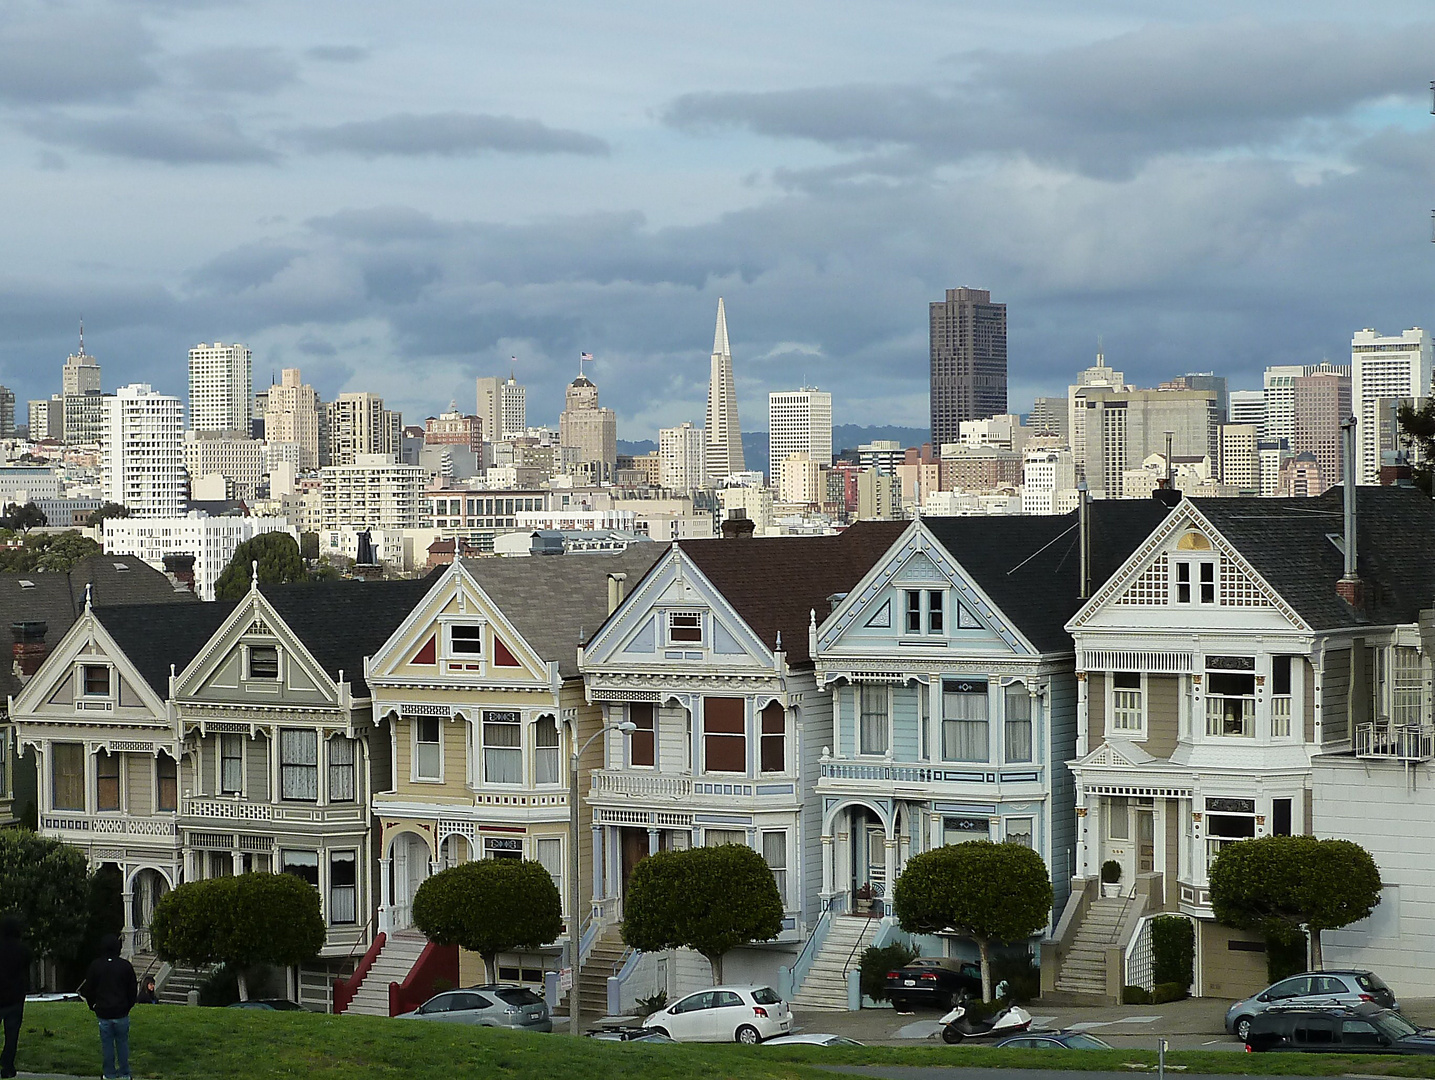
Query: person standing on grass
pixel 14 985
pixel 109 988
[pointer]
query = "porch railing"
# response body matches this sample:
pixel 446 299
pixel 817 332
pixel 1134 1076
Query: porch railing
pixel 791 979
pixel 641 785
pixel 1384 740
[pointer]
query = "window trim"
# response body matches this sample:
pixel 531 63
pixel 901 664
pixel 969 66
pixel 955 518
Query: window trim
pixel 330 887
pixel 330 765
pixel 943 719
pixel 250 650
pixel 415 727
pixel 764 737
pixel 472 664
pixel 159 781
pixel 283 765
pixel 1189 572
pixel 928 628
pixel 82 691
pixel 650 731
pixel 741 734
pixel 113 758
pixel 82 784
pixel 220 759
pixel 483 747
pixel 685 643
pixel 556 750
pixel 884 690
pixel 1135 734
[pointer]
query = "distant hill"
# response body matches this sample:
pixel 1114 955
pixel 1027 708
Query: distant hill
pixel 844 437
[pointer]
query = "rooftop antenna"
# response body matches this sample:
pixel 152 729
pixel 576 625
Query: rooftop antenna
pixel 1100 356
pixel 82 335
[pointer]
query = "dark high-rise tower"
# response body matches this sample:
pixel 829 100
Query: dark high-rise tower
pixel 968 361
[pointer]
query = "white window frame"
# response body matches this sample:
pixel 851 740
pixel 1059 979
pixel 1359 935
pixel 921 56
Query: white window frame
pixel 946 611
pixel 884 691
pixel 1126 732
pixel 668 623
pixel 1210 698
pixel 784 884
pixel 446 640
pixel 484 748
pixel 81 694
pixel 1007 830
pixel 415 775
pixel 249 675
pixel 556 750
pixel 1192 568
pixel 219 767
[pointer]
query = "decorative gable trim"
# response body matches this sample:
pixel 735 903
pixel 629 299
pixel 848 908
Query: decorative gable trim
pixel 253 616
pixel 53 683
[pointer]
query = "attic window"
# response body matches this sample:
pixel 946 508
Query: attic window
pixel 263 662
pixel 685 627
pixel 467 640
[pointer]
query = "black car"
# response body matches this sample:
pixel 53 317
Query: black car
pixel 933 982
pixel 1339 1029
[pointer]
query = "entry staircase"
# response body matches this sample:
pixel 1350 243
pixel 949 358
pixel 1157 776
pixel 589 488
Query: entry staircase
pixel 825 986
pixel 603 961
pixel 1083 969
pixel 396 959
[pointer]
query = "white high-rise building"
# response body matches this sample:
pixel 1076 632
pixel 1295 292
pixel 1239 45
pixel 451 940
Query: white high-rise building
pixel 1249 407
pixel 142 451
pixel 373 492
pixel 503 408
pixel 798 422
pixel 680 457
pixel 1093 377
pixel 723 432
pixel 1044 475
pixel 293 414
pixel 242 462
pixel 221 388
pixel 358 424
pixel 1383 368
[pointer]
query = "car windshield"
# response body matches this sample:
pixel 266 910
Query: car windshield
pixel 1394 1026
pixel 1086 1042
pixel 519 995
pixel 766 996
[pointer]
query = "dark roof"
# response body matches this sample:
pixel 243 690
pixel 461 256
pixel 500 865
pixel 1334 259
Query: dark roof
pixel 342 622
pixel 155 636
pixel 1030 566
pixel 1288 543
pixel 775 583
pixel 57 599
pixel 558 602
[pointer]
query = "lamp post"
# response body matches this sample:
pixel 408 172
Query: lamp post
pixel 575 893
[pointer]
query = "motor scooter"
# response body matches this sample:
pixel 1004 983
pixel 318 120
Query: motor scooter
pixel 958 1025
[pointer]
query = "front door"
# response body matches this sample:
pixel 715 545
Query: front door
pixel 634 850
pixel 876 845
pixel 1145 841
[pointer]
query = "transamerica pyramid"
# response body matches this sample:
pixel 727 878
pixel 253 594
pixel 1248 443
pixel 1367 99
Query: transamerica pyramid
pixel 722 447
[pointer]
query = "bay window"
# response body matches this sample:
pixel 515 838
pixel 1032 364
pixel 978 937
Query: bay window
pixel 1017 708
pixel 68 775
pixel 343 888
pixel 1228 821
pixel 428 748
pixel 724 735
pixel 231 764
pixel 502 748
pixel 1281 696
pixel 964 720
pixel 774 853
pixel 1231 703
pixel 873 719
pixel 342 754
pixel 546 751
pixel 1128 713
pixel 642 743
pixel 772 746
pixel 299 766
pixel 107 781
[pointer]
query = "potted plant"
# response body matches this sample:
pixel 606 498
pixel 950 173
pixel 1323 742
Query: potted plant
pixel 1111 878
pixel 864 898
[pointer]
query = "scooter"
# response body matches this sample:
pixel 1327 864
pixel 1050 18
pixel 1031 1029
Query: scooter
pixel 958 1026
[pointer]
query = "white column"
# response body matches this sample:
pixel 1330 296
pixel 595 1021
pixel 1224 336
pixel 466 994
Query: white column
pixel 828 869
pixel 597 857
pixel 386 894
pixel 1084 822
pixel 128 898
pixel 889 863
pixel 1083 725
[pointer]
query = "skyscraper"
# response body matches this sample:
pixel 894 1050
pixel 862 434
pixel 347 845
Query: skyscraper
pixel 80 406
pixel 798 422
pixel 1321 405
pixel 359 424
pixel 503 408
pixel 968 354
pixel 1383 368
pixel 293 414
pixel 680 457
pixel 221 388
pixel 142 451
pixel 722 454
pixel 589 430
pixel 81 373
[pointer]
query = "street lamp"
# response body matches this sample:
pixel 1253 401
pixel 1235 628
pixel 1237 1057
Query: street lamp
pixel 575 895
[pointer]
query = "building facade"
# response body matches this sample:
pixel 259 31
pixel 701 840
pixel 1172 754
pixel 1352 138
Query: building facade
pixel 798 422
pixel 372 492
pixel 358 424
pixel 722 430
pixel 141 451
pixel 968 361
pixel 502 408
pixel 680 457
pixel 589 430
pixel 211 540
pixel 221 388
pixel 1381 368
pixel 294 414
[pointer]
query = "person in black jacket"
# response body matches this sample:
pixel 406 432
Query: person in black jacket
pixel 14 985
pixel 110 989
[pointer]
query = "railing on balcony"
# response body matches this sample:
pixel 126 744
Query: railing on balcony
pixel 1394 742
pixel 117 825
pixel 235 810
pixel 899 774
pixel 641 785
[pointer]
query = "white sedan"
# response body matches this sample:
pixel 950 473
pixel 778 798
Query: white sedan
pixel 813 1039
pixel 745 1014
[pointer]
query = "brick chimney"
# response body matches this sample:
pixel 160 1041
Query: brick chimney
pixel 29 649
pixel 738 526
pixel 180 570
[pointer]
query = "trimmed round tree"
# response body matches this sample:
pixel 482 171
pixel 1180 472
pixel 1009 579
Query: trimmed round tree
pixel 279 561
pixel 47 884
pixel 241 922
pixel 1283 883
pixel 980 890
pixel 490 906
pixel 710 900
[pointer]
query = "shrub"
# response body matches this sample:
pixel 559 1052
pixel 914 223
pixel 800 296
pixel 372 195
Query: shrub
pixel 1165 992
pixel 649 1005
pixel 219 988
pixel 490 906
pixel 1135 995
pixel 1021 973
pixel 1173 950
pixel 877 962
pixel 1110 872
pixel 1286 953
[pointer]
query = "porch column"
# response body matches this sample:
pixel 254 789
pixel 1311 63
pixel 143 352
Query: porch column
pixel 652 841
pixel 1083 823
pixel 889 862
pixel 386 895
pixel 1082 721
pixel 128 898
pixel 597 858
pixel 237 859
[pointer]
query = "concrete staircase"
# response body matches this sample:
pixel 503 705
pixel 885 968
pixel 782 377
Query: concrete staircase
pixel 1083 971
pixel 603 961
pixel 180 982
pixel 396 959
pixel 825 986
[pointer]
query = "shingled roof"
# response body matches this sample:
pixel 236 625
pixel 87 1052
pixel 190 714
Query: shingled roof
pixel 1030 566
pixel 558 602
pixel 1289 543
pixel 156 636
pixel 775 583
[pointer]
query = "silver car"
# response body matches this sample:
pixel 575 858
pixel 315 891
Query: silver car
pixel 494 1005
pixel 1349 987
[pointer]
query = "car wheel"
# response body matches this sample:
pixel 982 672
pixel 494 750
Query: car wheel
pixel 748 1035
pixel 1243 1028
pixel 950 1034
pixel 661 1031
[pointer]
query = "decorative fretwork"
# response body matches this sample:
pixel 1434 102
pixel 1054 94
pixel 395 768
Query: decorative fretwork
pixel 1238 590
pixel 1150 589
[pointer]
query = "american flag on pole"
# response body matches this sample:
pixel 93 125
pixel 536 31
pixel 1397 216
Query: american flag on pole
pixel 585 357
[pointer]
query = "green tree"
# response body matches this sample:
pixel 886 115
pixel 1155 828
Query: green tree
pixel 1417 431
pixel 309 545
pixel 46 883
pixel 710 900
pixel 108 510
pixel 1284 883
pixel 490 906
pixel 57 553
pixel 987 892
pixel 279 561
pixel 242 922
pixel 24 518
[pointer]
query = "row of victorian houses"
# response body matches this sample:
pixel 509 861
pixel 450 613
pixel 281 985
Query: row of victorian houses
pixel 1143 681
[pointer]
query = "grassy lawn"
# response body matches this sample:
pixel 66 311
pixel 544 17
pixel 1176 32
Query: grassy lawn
pixel 179 1043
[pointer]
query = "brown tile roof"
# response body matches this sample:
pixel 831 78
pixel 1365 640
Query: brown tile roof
pixel 775 583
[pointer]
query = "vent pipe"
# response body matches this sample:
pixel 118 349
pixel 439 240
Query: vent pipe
pixel 1083 525
pixel 1350 587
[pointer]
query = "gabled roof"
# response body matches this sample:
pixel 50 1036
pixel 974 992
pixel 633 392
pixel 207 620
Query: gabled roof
pixel 1030 566
pixel 342 622
pixel 775 583
pixel 1287 542
pixel 558 602
pixel 154 636
pixel 57 599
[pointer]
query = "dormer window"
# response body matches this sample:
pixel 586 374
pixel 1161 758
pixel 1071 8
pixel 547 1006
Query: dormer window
pixel 466 640
pixel 1196 579
pixel 685 628
pixel 96 680
pixel 925 612
pixel 263 662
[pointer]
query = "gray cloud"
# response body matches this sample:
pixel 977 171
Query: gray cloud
pixel 446 135
pixel 51 54
pixel 239 70
pixel 1103 108
pixel 215 139
pixel 337 54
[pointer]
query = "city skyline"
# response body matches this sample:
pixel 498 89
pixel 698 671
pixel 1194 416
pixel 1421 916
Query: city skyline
pixel 1270 172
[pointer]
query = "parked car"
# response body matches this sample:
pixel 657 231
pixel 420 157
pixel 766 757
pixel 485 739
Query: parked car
pixel 745 1014
pixel 933 982
pixel 492 1005
pixel 1054 1040
pixel 271 1004
pixel 1348 987
pixel 1341 1029
pixel 629 1034
pixel 812 1040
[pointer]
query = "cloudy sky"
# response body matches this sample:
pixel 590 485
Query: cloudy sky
pixel 400 197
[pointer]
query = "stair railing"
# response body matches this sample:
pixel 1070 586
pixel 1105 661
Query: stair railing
pixel 796 975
